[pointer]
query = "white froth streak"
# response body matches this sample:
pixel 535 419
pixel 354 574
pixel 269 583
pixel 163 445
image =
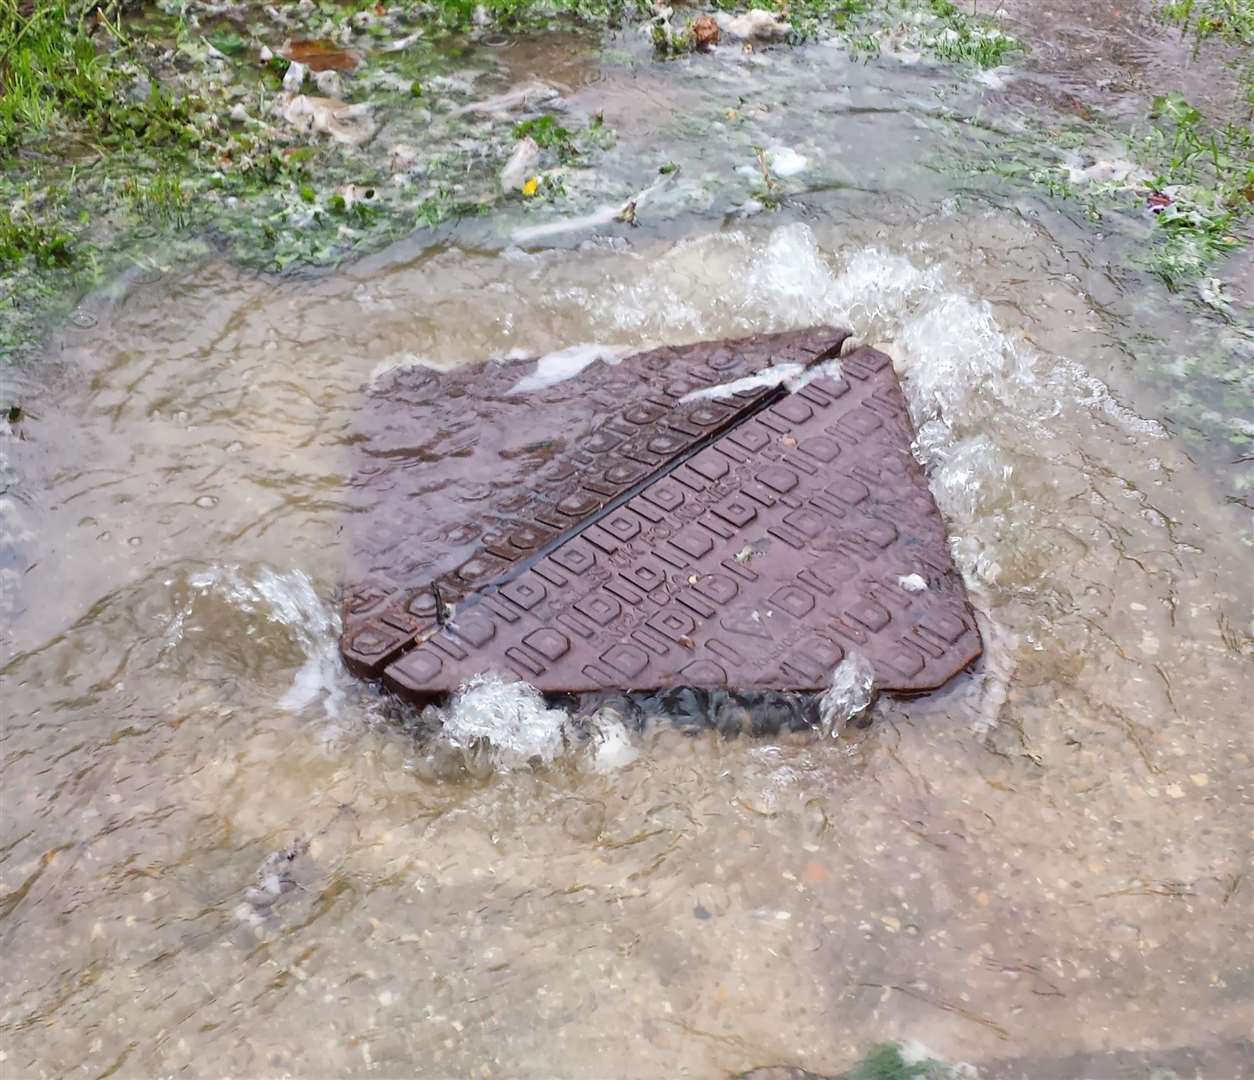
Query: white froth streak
pixel 557 367
pixel 601 216
pixel 791 375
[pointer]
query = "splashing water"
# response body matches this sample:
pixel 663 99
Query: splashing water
pixel 850 692
pixel 609 744
pixel 286 598
pixel 510 716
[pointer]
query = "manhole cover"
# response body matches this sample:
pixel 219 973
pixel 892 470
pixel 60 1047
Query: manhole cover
pixel 621 530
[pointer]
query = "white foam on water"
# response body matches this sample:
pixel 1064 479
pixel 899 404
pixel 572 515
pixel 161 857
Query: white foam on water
pixel 557 367
pixel 912 582
pixel 876 289
pixel 511 717
pixel 610 744
pixel 791 280
pixel 966 368
pixel 785 161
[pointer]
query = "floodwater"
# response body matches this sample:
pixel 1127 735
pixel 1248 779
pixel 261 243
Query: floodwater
pixel 1042 870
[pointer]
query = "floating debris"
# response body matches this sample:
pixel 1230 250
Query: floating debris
pixel 322 55
pixel 705 33
pixel 754 25
pixel 526 96
pixel 343 122
pixel 521 164
pixel 275 877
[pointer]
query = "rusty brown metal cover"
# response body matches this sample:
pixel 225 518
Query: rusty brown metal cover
pixel 610 533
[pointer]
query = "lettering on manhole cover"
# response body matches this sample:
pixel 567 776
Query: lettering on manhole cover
pixel 619 530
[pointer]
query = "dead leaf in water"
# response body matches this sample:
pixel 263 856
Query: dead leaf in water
pixel 343 122
pixel 322 55
pixel 705 32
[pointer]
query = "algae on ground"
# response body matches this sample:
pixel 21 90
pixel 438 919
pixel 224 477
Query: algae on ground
pixel 126 125
pixel 887 1061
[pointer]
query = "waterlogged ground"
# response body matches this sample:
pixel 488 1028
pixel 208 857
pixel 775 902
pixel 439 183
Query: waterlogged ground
pixel 1043 870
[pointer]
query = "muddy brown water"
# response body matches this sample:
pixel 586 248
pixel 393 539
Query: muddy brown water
pixel 1044 867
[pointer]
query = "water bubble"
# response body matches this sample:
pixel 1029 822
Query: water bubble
pixel 84 320
pixel 849 693
pixel 207 502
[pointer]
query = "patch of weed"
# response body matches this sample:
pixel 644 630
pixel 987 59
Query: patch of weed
pixel 768 191
pixel 162 198
pixel 548 134
pixel 1193 179
pixel 885 1062
pixel 1202 189
pixel 1226 20
pixel 937 27
pixel 23 238
pixel 966 39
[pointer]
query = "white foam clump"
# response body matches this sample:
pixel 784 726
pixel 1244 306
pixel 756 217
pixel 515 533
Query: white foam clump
pixel 848 694
pixel 785 161
pixel 915 1053
pixel 912 582
pixel 557 367
pixel 876 288
pixel 511 716
pixel 791 280
pixel 609 742
pixel 286 597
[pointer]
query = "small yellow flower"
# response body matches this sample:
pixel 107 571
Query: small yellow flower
pixel 531 186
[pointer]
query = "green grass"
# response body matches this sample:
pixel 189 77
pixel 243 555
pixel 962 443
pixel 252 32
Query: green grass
pixel 1208 173
pixel 50 69
pixel 548 134
pixel 24 239
pixel 967 39
pixel 1198 175
pixel 890 1061
pixel 885 1062
pixel 126 108
pixel 1231 21
pixel 939 28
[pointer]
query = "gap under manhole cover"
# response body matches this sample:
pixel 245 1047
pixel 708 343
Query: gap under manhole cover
pixel 676 518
